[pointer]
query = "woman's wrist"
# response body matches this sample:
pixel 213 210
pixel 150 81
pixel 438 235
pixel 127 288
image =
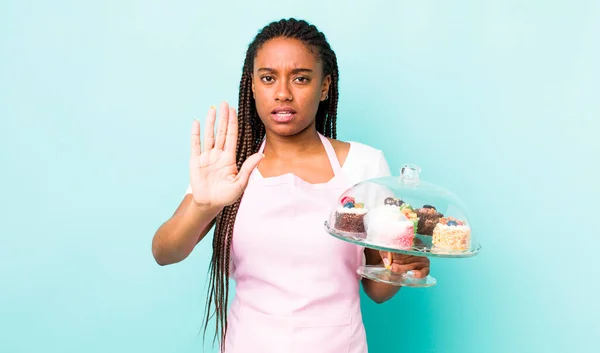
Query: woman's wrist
pixel 202 212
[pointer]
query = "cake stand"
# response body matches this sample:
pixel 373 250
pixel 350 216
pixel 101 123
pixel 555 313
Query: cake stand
pixel 403 215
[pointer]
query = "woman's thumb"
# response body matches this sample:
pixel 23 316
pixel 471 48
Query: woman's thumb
pixel 387 258
pixel 247 168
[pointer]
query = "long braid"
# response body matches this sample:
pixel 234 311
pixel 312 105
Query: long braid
pixel 251 133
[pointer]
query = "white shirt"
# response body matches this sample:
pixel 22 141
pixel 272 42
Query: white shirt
pixel 364 162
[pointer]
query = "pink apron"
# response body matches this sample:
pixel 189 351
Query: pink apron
pixel 297 290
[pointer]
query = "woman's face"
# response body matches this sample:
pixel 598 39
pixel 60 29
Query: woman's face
pixel 288 84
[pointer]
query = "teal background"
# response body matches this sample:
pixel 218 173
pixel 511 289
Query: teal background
pixel 495 100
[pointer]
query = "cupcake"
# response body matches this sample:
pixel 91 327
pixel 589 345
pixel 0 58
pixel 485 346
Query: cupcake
pixel 451 234
pixel 349 216
pixel 428 219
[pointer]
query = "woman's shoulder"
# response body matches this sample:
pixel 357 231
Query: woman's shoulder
pixel 360 160
pixel 354 149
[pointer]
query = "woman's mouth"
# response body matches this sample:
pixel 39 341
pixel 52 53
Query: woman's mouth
pixel 283 115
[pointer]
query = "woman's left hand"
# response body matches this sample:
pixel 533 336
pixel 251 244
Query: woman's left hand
pixel 400 263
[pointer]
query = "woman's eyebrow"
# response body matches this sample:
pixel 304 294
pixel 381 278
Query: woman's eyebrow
pixel 295 71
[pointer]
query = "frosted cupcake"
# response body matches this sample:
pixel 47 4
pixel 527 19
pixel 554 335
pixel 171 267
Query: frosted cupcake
pixel 387 226
pixel 428 219
pixel 451 234
pixel 349 216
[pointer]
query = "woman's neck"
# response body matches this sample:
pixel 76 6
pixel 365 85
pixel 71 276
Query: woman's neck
pixel 288 147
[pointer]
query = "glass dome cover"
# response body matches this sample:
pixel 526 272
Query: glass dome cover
pixel 404 214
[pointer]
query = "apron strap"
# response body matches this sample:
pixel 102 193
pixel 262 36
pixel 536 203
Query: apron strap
pixel 333 160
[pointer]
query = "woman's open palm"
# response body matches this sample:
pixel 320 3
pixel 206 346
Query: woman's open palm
pixel 214 177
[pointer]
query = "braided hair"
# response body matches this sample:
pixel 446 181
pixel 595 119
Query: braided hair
pixel 251 132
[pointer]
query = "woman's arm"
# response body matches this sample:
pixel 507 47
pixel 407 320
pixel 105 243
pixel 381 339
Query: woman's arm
pixel 377 291
pixel 214 180
pixel 177 237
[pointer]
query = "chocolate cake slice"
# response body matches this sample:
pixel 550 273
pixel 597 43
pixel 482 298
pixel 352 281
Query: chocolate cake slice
pixel 428 219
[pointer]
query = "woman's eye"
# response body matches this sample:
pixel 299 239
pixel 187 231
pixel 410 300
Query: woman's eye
pixel 267 78
pixel 302 79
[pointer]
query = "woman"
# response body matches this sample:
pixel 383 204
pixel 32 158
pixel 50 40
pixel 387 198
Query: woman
pixel 267 180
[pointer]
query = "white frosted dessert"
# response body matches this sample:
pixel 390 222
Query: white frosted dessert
pixel 387 226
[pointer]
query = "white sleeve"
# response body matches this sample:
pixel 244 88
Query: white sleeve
pixel 376 166
pixel 382 168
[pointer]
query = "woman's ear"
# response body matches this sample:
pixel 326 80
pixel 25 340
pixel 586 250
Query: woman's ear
pixel 325 88
pixel 252 80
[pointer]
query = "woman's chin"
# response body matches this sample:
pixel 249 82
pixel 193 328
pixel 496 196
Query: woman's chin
pixel 284 131
pixel 288 129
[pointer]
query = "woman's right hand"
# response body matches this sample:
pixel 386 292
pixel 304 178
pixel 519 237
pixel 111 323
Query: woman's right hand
pixel 214 177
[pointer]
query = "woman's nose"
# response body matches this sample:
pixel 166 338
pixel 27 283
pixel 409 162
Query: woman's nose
pixel 283 92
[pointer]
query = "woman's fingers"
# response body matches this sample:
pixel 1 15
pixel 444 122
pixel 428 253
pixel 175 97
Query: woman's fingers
pixel 401 263
pixel 232 132
pixel 401 258
pixel 195 139
pixel 410 267
pixel 222 126
pixel 209 132
pixel 407 259
pixel 422 272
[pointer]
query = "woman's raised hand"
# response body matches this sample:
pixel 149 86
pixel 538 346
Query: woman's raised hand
pixel 214 177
